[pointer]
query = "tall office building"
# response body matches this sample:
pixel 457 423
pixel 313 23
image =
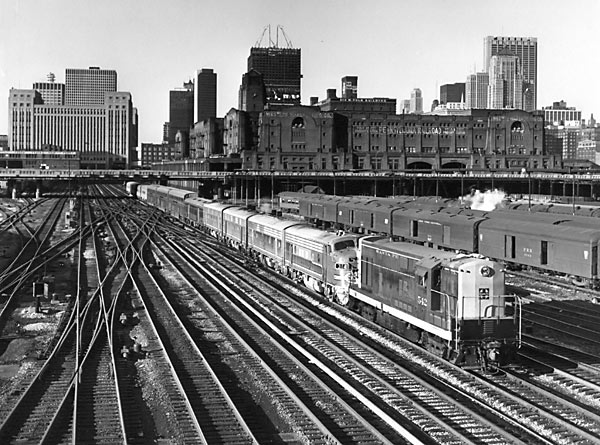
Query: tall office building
pixel 476 90
pixel 452 92
pixel 87 86
pixel 416 101
pixel 181 111
pixel 525 48
pixel 52 93
pixel 280 68
pixel 205 95
pixel 506 81
pixel 103 131
pixel 350 87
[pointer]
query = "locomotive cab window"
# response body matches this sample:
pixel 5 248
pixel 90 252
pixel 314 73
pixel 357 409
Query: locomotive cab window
pixel 423 279
pixel 341 245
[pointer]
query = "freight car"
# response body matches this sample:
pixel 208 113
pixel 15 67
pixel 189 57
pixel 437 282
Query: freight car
pixel 554 243
pixel 452 304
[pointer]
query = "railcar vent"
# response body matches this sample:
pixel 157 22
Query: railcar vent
pixel 488 327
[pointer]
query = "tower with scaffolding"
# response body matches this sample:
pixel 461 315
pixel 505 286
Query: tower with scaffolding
pixel 279 66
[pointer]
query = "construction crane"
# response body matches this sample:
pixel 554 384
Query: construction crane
pixel 271 43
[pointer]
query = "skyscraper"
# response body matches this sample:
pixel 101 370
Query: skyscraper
pixel 506 81
pixel 280 68
pixel 416 101
pixel 476 90
pixel 181 110
pixel 452 92
pixel 525 48
pixel 87 86
pixel 205 95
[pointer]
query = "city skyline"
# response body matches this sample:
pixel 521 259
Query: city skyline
pixel 395 49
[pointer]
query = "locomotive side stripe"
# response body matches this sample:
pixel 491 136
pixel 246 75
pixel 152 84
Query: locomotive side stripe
pixel 442 333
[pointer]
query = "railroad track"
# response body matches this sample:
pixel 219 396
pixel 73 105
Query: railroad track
pixel 578 327
pixel 442 422
pixel 548 426
pixel 545 287
pixel 310 408
pixel 172 331
pixel 47 409
pixel 202 410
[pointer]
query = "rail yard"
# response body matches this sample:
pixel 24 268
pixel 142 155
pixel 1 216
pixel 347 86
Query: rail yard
pixel 126 319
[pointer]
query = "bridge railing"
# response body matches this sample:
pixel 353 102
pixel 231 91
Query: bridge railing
pixel 124 175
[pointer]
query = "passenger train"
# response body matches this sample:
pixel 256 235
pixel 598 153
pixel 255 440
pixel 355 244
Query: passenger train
pixel 453 304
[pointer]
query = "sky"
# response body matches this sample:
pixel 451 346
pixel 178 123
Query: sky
pixel 393 46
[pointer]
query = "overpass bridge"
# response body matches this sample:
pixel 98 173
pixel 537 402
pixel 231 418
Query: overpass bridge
pixel 418 182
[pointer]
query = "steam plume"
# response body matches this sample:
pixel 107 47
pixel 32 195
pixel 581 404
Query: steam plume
pixel 486 201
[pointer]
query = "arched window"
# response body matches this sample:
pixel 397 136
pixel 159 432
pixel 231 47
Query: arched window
pixel 516 126
pixel 298 130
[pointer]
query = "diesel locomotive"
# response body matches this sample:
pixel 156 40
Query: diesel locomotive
pixel 452 304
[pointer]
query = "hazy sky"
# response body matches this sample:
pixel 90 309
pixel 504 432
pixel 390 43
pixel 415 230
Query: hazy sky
pixel 392 46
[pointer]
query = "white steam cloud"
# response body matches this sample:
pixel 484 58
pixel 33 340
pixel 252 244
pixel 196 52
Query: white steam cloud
pixel 486 201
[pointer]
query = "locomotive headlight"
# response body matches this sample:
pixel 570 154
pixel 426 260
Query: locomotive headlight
pixel 487 271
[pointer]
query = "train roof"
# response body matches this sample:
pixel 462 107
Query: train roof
pixel 196 201
pixel 565 229
pixel 412 250
pixel 380 206
pixel 153 186
pixel 438 216
pixel 217 206
pixel 271 221
pixel 239 212
pixel 162 189
pixel 316 235
pixel 181 193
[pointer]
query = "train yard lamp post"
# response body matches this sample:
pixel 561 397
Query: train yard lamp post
pixel 529 190
pixel 69 173
pixel 246 177
pixel 334 184
pixel 573 192
pixel 272 191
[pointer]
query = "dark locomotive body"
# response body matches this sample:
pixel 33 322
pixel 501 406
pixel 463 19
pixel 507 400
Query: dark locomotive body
pixel 453 304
